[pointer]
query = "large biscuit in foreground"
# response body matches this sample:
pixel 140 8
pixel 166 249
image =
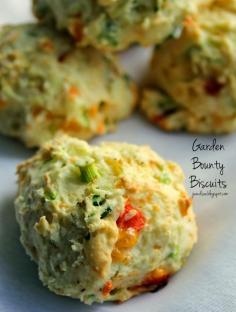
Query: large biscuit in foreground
pixel 193 79
pixel 104 223
pixel 47 86
pixel 115 24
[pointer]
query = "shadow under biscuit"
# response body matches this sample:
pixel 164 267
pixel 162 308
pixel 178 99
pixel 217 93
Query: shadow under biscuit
pixel 12 148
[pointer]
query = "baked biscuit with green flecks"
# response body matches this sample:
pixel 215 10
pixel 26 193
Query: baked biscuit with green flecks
pixel 47 86
pixel 192 83
pixel 115 24
pixel 103 223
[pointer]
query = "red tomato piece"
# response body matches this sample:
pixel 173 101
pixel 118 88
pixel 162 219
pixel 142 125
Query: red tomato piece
pixel 157 119
pixel 131 218
pixel 107 288
pixel 213 87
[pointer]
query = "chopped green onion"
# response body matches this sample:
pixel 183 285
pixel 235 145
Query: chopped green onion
pixel 127 78
pixel 84 120
pixel 175 253
pixel 50 195
pixel 165 179
pixel 156 8
pixel 98 201
pixel 91 297
pixel 166 104
pixel 106 212
pixel 109 32
pixel 160 167
pixel 89 173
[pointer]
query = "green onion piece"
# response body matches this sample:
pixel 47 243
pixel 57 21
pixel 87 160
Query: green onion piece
pixel 160 167
pixel 127 78
pixel 91 297
pixel 175 253
pixel 50 195
pixel 89 173
pixel 165 179
pixel 109 32
pixel 106 212
pixel 98 201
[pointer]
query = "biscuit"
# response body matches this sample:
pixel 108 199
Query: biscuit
pixel 103 223
pixel 115 24
pixel 192 80
pixel 47 86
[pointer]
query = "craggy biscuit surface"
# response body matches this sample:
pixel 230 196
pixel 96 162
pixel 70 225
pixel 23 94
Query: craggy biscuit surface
pixel 47 86
pixel 192 82
pixel 115 24
pixel 104 223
